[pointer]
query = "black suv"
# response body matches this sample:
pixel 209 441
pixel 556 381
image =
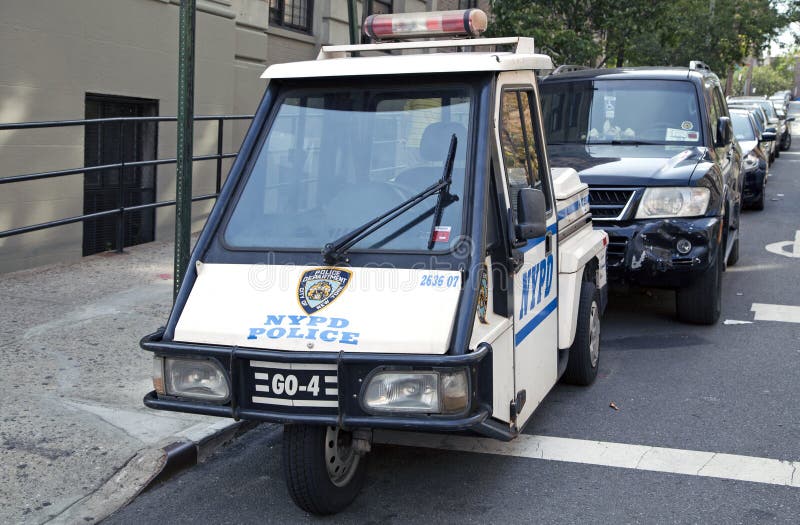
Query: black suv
pixel 665 174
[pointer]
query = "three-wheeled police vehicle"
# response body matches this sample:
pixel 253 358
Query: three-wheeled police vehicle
pixel 390 250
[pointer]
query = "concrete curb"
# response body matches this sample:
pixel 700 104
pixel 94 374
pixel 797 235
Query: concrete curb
pixel 151 466
pixel 199 444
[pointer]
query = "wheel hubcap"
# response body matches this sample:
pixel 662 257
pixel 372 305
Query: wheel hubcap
pixel 594 335
pixel 340 458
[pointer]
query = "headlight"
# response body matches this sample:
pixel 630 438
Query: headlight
pixel 673 202
pixel 750 161
pixel 202 379
pixel 418 392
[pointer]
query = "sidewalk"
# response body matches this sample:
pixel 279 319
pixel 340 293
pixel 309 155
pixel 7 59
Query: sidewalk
pixel 76 442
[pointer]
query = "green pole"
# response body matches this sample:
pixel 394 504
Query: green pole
pixel 183 180
pixel 352 18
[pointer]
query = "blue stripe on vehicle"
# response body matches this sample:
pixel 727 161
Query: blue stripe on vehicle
pixel 575 206
pixel 536 321
pixel 533 243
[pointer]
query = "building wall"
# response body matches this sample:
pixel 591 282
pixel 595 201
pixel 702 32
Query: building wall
pixel 55 52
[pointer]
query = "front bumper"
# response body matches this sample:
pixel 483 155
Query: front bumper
pixel 352 370
pixel 754 183
pixel 644 252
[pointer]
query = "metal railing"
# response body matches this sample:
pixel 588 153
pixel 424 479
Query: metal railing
pixel 121 211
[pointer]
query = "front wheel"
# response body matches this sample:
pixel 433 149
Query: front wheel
pixel 787 143
pixel 584 354
pixel 701 302
pixel 323 471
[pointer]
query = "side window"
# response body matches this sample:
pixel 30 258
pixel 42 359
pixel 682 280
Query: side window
pixel 519 145
pixel 713 112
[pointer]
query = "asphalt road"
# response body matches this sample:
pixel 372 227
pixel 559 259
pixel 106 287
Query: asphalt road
pixel 729 388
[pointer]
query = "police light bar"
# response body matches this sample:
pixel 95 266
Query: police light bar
pixel 463 22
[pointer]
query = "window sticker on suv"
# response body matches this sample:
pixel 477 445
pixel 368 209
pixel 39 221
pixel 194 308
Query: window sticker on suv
pixel 678 135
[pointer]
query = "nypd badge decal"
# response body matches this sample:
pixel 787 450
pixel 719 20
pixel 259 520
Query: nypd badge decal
pixel 319 287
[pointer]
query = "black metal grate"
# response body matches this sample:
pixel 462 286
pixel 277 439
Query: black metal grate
pixel 615 251
pixel 608 203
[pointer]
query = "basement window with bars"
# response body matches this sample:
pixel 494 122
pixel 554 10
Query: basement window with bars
pixel 296 15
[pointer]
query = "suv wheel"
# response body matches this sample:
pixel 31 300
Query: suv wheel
pixel 701 302
pixel 787 142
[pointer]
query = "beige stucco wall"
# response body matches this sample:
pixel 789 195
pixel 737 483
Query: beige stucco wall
pixel 56 51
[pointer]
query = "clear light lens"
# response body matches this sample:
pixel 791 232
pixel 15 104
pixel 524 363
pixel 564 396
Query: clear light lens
pixel 683 246
pixel 471 22
pixel 455 391
pixel 673 202
pixel 158 375
pixel 403 392
pixel 195 378
pixel 750 161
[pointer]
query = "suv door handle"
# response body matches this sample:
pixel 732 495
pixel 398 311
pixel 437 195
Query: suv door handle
pixel 548 243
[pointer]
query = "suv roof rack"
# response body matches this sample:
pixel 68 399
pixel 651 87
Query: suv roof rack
pixel 568 68
pixel 699 65
pixel 522 45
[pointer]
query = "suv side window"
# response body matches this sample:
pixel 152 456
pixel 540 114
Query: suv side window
pixel 519 145
pixel 713 112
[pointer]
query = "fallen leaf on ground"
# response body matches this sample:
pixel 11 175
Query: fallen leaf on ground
pixel 613 405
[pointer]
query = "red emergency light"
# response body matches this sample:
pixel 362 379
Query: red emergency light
pixel 463 22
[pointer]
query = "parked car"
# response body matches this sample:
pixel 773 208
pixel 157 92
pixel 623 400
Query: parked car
pixel 780 99
pixel 754 151
pixel 785 140
pixel 793 111
pixel 656 147
pixel 763 121
pixel 772 118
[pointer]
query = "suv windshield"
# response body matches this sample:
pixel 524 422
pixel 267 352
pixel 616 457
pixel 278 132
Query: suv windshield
pixel 621 111
pixel 335 159
pixel 741 126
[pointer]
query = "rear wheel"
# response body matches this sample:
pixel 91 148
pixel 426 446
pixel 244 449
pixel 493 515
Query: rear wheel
pixel 733 258
pixel 701 302
pixel 323 472
pixel 787 143
pixel 584 354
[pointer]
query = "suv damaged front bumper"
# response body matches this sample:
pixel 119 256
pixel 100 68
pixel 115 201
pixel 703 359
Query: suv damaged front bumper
pixel 352 370
pixel 646 252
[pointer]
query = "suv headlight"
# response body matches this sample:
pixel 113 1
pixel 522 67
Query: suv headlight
pixel 673 202
pixel 201 379
pixel 433 392
pixel 751 161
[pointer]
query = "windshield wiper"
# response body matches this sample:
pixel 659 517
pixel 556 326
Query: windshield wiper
pixel 445 197
pixel 624 142
pixel 336 251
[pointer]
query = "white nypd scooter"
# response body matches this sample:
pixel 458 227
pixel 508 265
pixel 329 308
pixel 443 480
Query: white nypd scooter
pixel 391 250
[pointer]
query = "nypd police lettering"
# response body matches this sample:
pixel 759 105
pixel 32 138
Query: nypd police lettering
pixel 309 327
pixel 536 285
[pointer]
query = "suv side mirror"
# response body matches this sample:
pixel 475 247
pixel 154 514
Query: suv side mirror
pixel 724 132
pixel 530 214
pixel 789 119
pixel 771 129
pixel 768 136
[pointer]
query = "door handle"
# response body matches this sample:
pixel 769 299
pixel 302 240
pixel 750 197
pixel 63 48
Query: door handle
pixel 548 243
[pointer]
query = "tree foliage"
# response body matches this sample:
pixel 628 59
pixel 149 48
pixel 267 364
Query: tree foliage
pixel 645 32
pixel 767 79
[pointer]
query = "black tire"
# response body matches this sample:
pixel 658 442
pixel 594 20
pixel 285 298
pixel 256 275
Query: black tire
pixel 701 302
pixel 307 475
pixel 777 152
pixel 787 144
pixel 733 258
pixel 584 354
pixel 758 204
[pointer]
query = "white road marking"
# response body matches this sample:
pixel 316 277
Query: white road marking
pixel 776 312
pixel 786 248
pixel 637 457
pixel 735 321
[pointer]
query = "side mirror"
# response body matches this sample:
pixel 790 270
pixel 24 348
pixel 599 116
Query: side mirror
pixel 771 129
pixel 768 136
pixel 724 132
pixel 530 214
pixel 790 119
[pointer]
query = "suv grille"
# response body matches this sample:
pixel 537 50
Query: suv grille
pixel 609 203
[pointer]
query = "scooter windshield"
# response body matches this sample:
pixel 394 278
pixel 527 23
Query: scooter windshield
pixel 334 159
